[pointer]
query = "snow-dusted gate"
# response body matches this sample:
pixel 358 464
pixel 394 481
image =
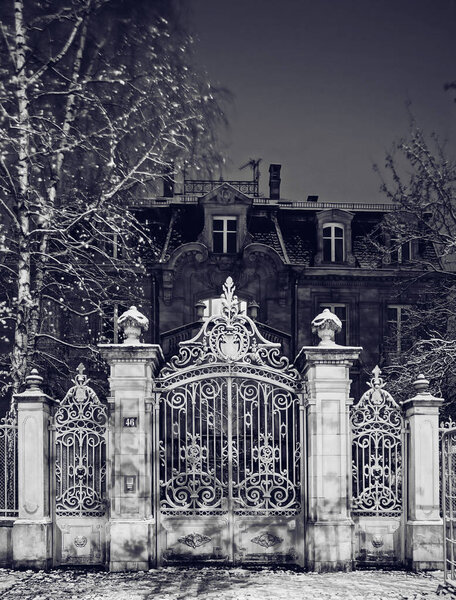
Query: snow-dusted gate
pixel 378 471
pixel 8 466
pixel 80 498
pixel 229 468
pixel 449 504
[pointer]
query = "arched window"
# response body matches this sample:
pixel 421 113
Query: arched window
pixel 333 242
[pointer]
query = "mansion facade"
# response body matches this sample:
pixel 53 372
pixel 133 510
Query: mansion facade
pixel 289 260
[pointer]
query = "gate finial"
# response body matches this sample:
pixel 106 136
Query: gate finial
pixel 230 303
pixel 80 378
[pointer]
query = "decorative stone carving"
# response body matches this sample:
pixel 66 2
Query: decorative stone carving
pixel 226 196
pixel 194 540
pixel 326 325
pixel 267 540
pixel 80 541
pixel 133 323
pixel 30 507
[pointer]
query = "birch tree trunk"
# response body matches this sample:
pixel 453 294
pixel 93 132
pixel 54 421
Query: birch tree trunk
pixel 19 357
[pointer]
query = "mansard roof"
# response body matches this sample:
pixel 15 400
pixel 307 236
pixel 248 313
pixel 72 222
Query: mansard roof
pixel 290 230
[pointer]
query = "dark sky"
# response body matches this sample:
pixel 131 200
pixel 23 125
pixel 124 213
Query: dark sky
pixel 321 86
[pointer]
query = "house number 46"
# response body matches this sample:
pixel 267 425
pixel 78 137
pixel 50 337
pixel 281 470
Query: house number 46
pixel 130 422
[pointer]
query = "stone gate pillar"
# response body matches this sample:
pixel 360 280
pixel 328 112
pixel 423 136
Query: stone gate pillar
pixel 32 531
pixel 329 528
pixel 133 367
pixel 424 532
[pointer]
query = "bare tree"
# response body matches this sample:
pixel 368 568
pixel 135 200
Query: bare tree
pixel 98 99
pixel 420 179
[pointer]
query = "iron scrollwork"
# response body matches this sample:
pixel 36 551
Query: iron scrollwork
pixel 231 337
pixel 8 466
pixel 80 443
pixel 229 422
pixel 377 425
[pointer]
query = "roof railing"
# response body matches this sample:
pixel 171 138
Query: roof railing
pixel 283 204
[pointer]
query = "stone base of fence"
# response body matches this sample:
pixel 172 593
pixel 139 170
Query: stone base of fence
pixel 6 542
pixel 131 545
pixel 329 546
pixel 424 545
pixel 32 544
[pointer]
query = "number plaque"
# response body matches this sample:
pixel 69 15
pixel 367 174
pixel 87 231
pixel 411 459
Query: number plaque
pixel 130 422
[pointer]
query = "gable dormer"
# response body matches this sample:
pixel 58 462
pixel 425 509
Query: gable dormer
pixel 225 219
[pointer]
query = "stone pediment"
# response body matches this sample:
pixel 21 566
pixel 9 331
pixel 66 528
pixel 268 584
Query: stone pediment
pixel 225 195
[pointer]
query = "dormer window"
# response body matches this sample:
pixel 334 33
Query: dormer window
pixel 224 235
pixel 333 242
pixel 334 238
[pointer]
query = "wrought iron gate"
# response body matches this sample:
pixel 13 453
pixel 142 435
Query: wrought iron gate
pixel 378 487
pixel 449 504
pixel 80 430
pixel 8 466
pixel 229 471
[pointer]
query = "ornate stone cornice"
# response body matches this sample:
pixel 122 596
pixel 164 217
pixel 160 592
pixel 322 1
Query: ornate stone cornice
pixel 332 355
pixel 120 353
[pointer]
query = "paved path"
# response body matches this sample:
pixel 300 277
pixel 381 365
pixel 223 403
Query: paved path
pixel 222 584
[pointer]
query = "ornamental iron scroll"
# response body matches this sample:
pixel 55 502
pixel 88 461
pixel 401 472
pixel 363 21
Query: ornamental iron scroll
pixel 229 445
pixel 377 452
pixel 80 444
pixel 230 337
pixel 230 437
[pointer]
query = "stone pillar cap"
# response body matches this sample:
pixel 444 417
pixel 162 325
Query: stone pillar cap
pixel 421 384
pixel 34 381
pixel 423 397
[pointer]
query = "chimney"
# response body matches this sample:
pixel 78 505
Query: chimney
pixel 274 181
pixel 168 182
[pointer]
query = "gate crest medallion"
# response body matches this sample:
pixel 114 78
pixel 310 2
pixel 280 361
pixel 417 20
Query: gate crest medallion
pixel 231 337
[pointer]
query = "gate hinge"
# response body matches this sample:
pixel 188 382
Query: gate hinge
pixel 51 424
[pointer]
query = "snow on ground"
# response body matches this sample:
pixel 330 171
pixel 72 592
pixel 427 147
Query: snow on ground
pixel 173 583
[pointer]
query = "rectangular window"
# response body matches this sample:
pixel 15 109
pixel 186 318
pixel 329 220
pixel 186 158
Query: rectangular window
pixel 396 315
pixel 50 317
pixel 401 253
pixel 213 306
pixel 341 311
pixel 224 230
pixel 112 244
pixel 109 329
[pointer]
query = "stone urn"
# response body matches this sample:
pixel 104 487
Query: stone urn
pixel 326 325
pixel 133 323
